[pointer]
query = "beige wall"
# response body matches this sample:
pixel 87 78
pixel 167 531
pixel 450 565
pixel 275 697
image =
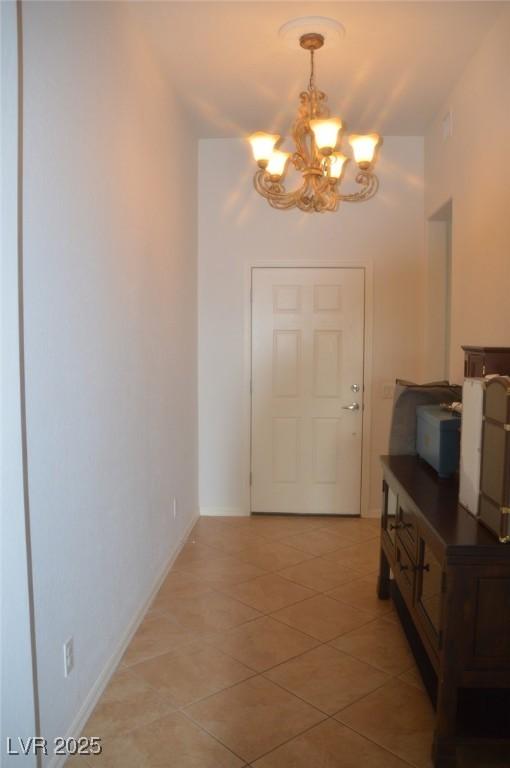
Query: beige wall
pixel 110 292
pixel 472 168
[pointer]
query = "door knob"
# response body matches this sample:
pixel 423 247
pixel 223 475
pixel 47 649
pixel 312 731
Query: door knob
pixel 351 407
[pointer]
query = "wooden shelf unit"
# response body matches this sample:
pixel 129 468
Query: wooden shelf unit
pixel 450 579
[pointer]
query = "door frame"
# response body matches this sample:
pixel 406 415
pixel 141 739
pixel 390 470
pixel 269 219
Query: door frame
pixel 296 263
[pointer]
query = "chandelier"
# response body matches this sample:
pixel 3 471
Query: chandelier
pixel 316 140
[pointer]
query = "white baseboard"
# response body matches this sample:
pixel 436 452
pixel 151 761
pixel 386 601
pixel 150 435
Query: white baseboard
pixel 223 512
pixel 102 681
pixel 238 512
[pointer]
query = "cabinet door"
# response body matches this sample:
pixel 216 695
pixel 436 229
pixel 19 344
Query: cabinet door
pixel 407 531
pixel 404 573
pixel 429 592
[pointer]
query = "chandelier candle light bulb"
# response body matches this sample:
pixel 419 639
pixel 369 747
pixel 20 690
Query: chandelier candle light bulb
pixel 363 148
pixel 262 145
pixel 316 136
pixel 277 164
pixel 337 163
pixel 326 134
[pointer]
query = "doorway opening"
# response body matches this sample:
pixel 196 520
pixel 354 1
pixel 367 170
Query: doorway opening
pixel 439 266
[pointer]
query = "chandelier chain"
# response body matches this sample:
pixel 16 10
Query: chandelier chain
pixel 312 70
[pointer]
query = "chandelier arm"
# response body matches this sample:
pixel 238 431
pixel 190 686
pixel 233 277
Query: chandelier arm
pixel 275 192
pixel 326 198
pixel 370 185
pixel 298 161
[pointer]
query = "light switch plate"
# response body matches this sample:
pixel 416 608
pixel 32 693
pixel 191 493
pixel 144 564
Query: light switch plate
pixel 388 389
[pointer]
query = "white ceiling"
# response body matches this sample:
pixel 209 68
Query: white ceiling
pixel 391 73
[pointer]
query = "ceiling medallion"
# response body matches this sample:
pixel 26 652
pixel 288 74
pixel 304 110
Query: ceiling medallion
pixel 316 138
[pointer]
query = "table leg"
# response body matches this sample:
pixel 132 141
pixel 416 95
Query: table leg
pixel 383 582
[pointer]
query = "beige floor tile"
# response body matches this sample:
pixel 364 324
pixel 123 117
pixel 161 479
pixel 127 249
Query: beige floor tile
pixel 206 527
pixel 254 717
pixel 219 573
pixel 412 676
pixel 177 583
pixel 163 603
pixel 397 716
pixel 381 643
pixel 272 555
pixel 230 540
pixel 392 616
pixel 276 527
pixel 356 529
pixel 193 552
pixel 361 557
pixel 157 634
pixel 172 742
pixel 188 677
pixel 268 593
pixel 211 612
pixel 128 702
pixel 263 643
pixel 214 523
pixel 329 745
pixel 318 542
pixel 327 678
pixel 361 593
pixel 319 574
pixel 322 617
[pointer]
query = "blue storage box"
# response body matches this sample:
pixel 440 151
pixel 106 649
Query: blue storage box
pixel 438 438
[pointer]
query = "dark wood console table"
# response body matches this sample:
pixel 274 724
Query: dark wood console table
pixel 450 579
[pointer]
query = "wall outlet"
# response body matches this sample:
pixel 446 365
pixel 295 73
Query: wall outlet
pixel 68 657
pixel 174 508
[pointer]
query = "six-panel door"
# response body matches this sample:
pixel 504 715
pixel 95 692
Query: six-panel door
pixel 307 389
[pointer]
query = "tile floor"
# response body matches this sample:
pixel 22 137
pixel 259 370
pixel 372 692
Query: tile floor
pixel 267 647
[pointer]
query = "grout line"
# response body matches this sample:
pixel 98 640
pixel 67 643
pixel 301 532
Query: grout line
pixel 299 733
pixel 265 612
pixel 296 736
pixel 296 695
pixel 329 717
pixel 365 695
pixel 216 738
pixel 377 744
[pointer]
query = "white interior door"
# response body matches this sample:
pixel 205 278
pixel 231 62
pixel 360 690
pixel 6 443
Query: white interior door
pixel 307 389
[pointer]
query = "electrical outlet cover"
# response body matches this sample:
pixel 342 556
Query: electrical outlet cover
pixel 68 656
